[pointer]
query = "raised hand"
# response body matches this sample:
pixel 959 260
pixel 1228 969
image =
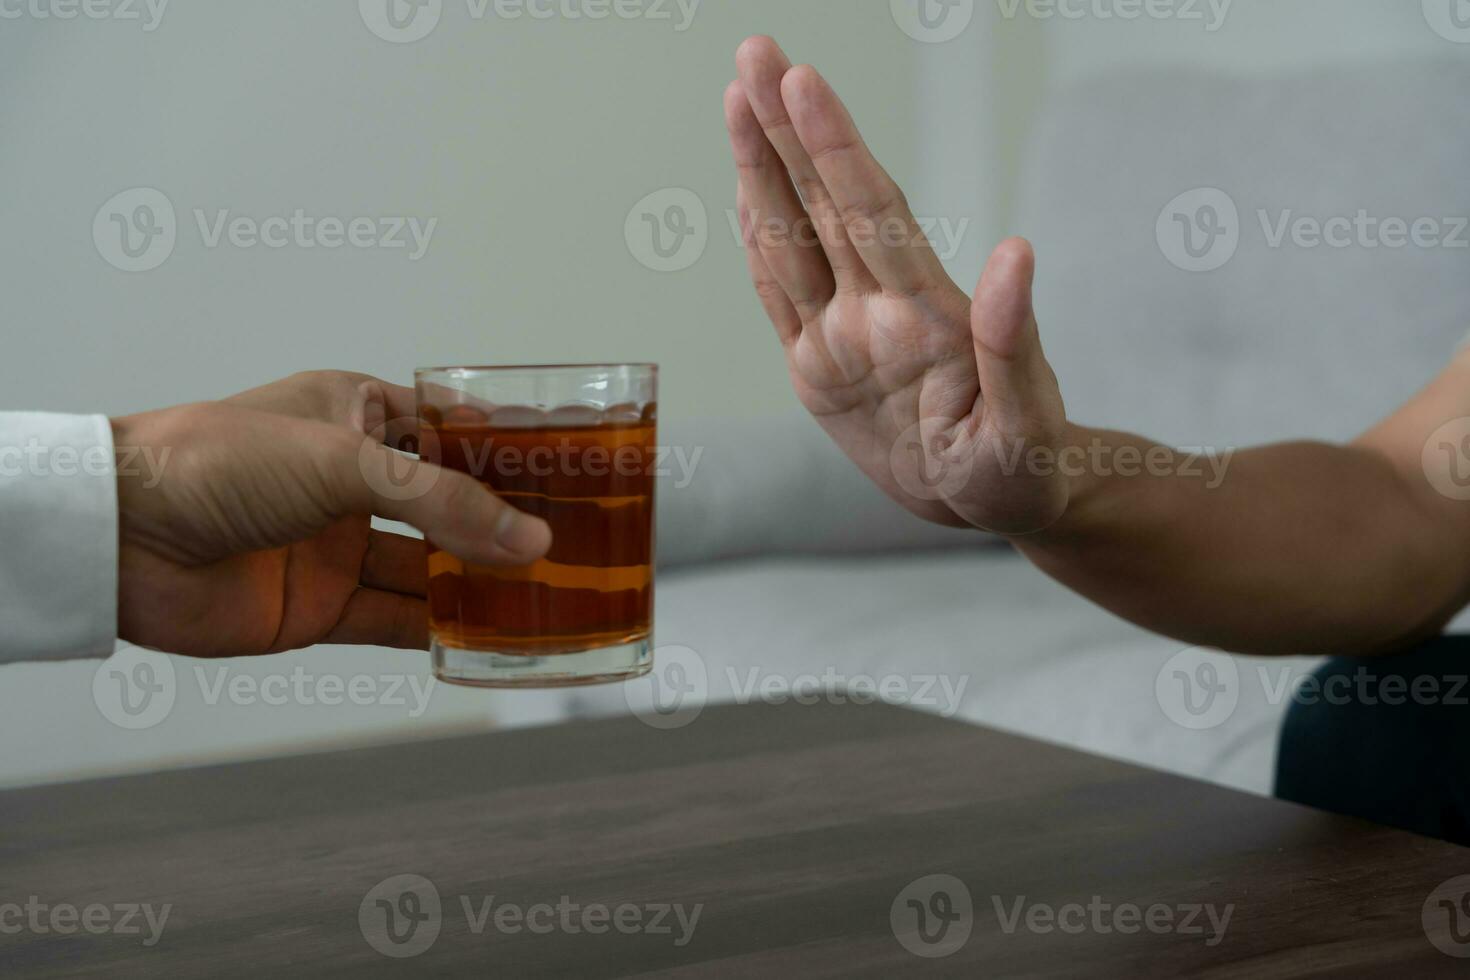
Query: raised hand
pixel 946 403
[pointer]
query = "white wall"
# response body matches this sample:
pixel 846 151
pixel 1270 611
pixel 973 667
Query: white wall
pixel 529 141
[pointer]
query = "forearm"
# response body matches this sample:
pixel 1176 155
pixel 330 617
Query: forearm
pixel 1292 548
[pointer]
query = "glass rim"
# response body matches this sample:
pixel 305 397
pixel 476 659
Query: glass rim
pixel 646 366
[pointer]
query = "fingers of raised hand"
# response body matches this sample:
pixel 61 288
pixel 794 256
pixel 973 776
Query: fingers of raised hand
pixel 779 223
pixel 773 297
pixel 1017 383
pixel 762 65
pixel 872 208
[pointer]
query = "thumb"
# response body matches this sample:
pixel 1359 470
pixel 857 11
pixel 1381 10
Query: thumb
pixel 457 512
pixel 1018 387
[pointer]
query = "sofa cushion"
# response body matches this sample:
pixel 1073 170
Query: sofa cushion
pixel 981 637
pixel 737 487
pixel 1279 342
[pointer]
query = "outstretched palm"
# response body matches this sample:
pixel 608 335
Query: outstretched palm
pixel 938 399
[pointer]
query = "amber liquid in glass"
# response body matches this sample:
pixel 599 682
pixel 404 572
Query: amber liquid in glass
pixel 594 485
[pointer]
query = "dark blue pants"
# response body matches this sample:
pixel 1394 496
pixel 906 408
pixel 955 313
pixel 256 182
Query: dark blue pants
pixel 1385 739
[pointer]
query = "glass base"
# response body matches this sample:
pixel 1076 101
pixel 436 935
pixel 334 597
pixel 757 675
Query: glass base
pixel 486 668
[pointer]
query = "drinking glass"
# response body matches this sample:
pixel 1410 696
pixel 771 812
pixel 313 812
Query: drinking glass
pixel 574 445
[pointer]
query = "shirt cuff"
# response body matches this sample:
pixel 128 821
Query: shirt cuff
pixel 58 537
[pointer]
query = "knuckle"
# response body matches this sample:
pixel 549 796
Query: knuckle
pixel 813 190
pixel 326 387
pixel 312 379
pixel 854 210
pixel 836 148
pixel 769 291
pixel 887 202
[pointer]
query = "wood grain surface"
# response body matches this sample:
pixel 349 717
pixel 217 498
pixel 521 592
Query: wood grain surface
pixel 794 830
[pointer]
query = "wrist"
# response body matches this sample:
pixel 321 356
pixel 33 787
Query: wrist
pixel 1081 462
pixel 143 449
pixel 128 461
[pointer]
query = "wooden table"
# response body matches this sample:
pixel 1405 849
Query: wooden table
pixel 800 831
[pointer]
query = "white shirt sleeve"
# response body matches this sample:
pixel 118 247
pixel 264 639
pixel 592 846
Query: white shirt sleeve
pixel 58 537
